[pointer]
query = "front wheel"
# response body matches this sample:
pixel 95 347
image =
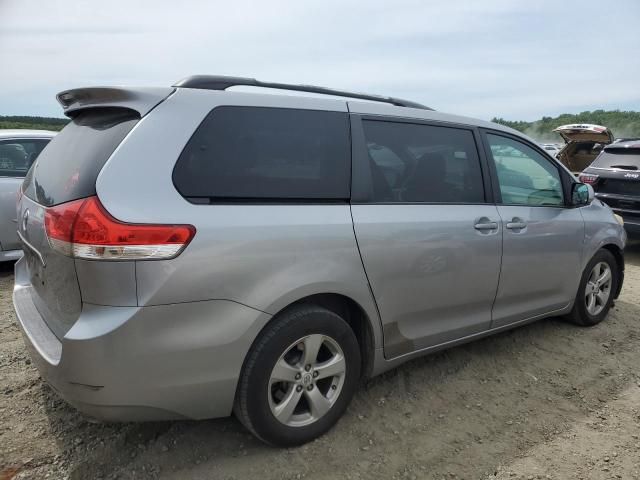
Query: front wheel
pixel 597 287
pixel 299 376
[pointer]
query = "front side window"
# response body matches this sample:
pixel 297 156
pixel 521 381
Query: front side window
pixel 413 163
pixel 16 156
pixel 267 153
pixel 525 177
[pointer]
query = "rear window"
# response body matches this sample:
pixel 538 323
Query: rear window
pixel 67 169
pixel 266 153
pixel 624 158
pixel 16 156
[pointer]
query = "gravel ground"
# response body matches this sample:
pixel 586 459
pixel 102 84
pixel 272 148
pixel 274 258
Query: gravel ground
pixel 548 400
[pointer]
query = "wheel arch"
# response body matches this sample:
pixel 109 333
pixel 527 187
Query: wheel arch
pixel 618 254
pixel 355 316
pixel 352 311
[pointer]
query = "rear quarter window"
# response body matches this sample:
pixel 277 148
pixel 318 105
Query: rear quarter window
pixel 67 169
pixel 266 153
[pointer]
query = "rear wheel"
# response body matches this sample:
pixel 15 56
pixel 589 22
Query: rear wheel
pixel 299 376
pixel 597 288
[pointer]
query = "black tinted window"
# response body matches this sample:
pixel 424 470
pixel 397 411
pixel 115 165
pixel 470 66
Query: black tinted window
pixel 16 156
pixel 260 153
pixel 68 167
pixel 624 158
pixel 422 163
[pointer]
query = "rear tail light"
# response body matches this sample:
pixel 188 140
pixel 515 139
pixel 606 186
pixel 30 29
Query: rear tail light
pixel 84 229
pixel 588 178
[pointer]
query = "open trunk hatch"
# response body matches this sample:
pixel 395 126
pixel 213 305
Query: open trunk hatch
pixel 584 143
pixel 585 132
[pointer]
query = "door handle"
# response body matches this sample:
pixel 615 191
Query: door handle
pixel 485 224
pixel 516 224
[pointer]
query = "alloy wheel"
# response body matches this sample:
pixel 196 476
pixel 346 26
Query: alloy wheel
pixel 306 380
pixel 598 288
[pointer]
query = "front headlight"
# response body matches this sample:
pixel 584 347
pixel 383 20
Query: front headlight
pixel 619 219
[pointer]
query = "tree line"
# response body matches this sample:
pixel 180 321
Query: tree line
pixel 31 122
pixel 623 124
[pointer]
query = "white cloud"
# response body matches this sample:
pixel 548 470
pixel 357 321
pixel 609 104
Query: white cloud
pixel 495 57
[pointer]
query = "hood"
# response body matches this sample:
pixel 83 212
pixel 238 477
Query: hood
pixel 585 132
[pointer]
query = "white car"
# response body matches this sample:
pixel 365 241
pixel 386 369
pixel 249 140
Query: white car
pixel 551 148
pixel 18 150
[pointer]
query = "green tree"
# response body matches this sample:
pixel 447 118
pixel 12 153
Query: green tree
pixel 622 124
pixel 30 122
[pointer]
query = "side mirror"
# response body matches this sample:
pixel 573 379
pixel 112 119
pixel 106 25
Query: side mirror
pixel 582 194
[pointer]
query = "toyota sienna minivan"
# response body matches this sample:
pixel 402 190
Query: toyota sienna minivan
pixel 195 251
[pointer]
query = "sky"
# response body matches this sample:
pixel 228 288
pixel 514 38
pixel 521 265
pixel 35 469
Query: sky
pixel 519 60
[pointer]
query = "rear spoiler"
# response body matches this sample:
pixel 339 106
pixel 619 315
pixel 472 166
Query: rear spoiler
pixel 142 100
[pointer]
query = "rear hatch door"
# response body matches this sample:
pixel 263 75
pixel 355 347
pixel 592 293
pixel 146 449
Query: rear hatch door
pixel 54 286
pixel 582 141
pixel 585 132
pixel 65 171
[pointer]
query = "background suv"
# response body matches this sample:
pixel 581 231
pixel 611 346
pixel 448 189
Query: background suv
pixel 192 251
pixel 18 150
pixel 615 177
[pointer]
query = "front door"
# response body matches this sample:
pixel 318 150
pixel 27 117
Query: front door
pixel 429 241
pixel 543 236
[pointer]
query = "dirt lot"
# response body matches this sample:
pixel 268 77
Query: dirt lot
pixel 549 400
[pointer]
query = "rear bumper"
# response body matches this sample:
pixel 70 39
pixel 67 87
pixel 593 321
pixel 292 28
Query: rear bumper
pixel 9 255
pixel 144 363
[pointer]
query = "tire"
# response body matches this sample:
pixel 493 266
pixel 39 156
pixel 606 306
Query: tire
pixel 263 403
pixel 582 314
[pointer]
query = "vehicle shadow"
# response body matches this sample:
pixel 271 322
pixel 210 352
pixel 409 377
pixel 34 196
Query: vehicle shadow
pixel 491 399
pixel 6 269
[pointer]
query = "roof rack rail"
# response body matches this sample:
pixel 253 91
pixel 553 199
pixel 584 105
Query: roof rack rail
pixel 222 82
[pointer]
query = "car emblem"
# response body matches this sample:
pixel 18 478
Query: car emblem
pixel 632 175
pixel 25 219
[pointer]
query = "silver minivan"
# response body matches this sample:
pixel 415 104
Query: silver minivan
pixel 195 251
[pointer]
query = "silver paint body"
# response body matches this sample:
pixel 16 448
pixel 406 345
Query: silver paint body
pixel 10 248
pixel 167 339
